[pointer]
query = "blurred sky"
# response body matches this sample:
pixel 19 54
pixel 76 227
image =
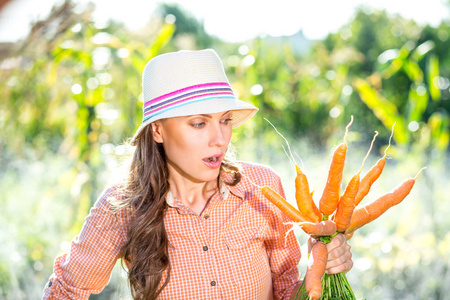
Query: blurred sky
pixel 233 20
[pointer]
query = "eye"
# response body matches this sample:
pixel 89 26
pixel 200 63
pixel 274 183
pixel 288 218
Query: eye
pixel 226 121
pixel 198 124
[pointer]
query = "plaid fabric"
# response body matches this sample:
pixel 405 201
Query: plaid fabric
pixel 235 250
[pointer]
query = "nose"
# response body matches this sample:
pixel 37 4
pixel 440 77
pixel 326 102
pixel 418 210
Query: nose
pixel 218 136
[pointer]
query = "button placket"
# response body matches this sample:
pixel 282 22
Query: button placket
pixel 199 229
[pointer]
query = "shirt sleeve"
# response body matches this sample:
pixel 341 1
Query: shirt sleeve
pixel 283 250
pixel 87 268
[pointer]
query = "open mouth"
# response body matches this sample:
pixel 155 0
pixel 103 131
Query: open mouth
pixel 213 159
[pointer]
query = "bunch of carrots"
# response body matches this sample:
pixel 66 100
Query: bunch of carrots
pixel 336 214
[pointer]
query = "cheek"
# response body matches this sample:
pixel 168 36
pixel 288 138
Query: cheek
pixel 181 148
pixel 229 134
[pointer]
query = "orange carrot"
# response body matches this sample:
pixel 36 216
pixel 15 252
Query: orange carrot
pixel 373 210
pixel 368 179
pixel 360 217
pixel 373 174
pixel 388 200
pixel 323 228
pixel 316 268
pixel 305 202
pixel 348 236
pixel 346 204
pixel 283 205
pixel 304 198
pixel 330 197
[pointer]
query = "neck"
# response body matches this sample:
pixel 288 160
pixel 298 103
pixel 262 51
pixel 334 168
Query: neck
pixel 192 194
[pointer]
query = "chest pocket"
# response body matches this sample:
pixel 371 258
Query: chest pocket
pixel 247 257
pixel 241 237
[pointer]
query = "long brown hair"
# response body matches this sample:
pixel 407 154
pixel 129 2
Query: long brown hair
pixel 146 251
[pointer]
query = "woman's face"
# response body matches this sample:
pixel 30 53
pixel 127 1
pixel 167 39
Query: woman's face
pixel 194 145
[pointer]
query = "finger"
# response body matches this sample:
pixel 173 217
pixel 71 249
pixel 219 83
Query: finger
pixel 337 247
pixel 347 266
pixel 336 242
pixel 341 262
pixel 338 251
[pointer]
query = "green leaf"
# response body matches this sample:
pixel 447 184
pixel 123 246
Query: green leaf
pixel 413 71
pixel 439 125
pixel 164 36
pixel 418 102
pixel 433 72
pixel 422 50
pixel 383 109
pixel 398 62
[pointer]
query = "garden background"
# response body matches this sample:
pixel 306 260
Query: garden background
pixel 71 96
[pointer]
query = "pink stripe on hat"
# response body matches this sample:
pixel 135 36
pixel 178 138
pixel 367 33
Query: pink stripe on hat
pixel 186 90
pixel 197 98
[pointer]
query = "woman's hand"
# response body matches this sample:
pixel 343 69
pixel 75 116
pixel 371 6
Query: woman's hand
pixel 339 255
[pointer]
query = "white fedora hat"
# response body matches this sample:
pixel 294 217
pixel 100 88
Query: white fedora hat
pixel 187 83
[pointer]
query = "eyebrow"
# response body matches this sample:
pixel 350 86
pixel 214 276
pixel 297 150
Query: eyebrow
pixel 209 116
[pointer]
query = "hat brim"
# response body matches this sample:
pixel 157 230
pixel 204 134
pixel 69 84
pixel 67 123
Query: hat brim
pixel 242 111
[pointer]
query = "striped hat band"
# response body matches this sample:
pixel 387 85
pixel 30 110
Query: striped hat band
pixel 195 93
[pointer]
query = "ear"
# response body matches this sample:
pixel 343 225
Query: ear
pixel 157 132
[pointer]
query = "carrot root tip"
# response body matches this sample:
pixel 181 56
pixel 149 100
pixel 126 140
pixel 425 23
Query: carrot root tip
pixel 420 171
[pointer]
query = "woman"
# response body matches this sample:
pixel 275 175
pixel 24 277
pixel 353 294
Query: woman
pixel 188 222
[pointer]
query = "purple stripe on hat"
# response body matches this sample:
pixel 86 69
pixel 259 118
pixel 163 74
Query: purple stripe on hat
pixel 163 109
pixel 205 91
pixel 184 90
pixel 190 99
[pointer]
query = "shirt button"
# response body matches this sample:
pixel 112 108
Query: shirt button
pixel 50 284
pixel 206 216
pixel 205 248
pixel 213 283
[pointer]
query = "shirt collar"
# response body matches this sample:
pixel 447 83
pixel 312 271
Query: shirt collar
pixel 170 199
pixel 238 189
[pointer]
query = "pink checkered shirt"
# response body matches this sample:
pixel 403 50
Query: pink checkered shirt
pixel 236 249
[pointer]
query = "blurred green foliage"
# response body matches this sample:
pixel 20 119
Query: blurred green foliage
pixel 72 95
